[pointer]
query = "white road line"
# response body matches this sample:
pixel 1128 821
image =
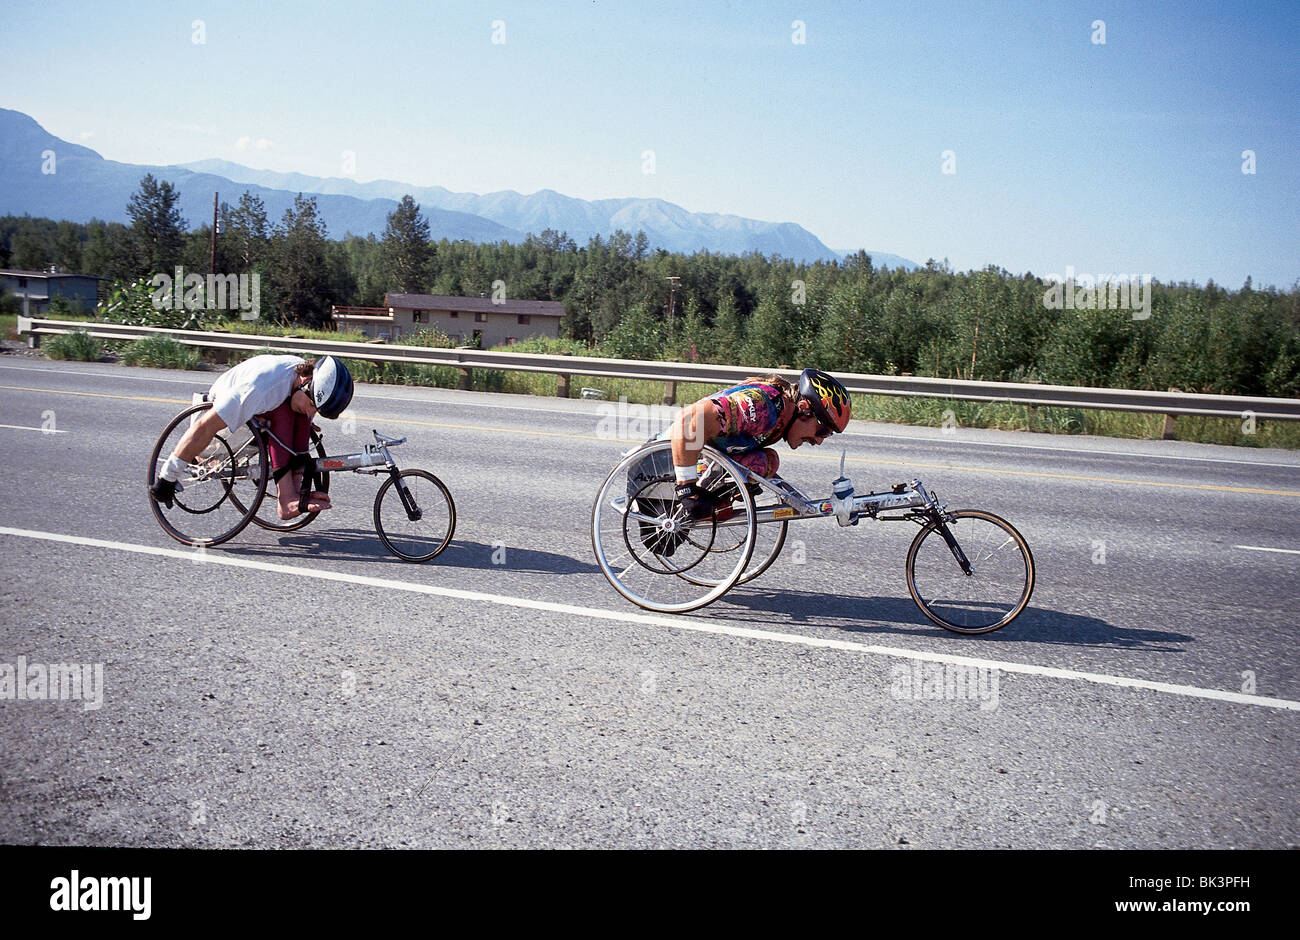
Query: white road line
pixel 215 558
pixel 364 394
pixel 1260 548
pixel 19 427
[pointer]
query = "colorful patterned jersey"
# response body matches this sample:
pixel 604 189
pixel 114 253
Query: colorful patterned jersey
pixel 751 417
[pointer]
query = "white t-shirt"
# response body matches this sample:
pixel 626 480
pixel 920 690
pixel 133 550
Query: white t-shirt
pixel 254 386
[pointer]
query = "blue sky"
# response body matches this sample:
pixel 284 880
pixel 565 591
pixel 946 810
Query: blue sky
pixel 1117 158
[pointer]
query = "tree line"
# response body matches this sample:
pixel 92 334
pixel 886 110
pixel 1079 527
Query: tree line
pixel 749 309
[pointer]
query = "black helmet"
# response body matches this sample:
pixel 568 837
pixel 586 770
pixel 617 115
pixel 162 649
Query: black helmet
pixel 828 398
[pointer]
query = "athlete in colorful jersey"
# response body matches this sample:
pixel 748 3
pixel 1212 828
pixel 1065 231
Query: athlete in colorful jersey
pixel 743 420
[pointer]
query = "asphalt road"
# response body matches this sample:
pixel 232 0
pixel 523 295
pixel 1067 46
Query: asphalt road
pixel 320 692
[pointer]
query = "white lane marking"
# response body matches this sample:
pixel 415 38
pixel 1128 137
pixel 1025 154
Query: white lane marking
pixel 678 623
pixel 1260 548
pixel 19 427
pixel 905 438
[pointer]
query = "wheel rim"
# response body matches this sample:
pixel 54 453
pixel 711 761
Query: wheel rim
pixel 415 540
pixel 998 588
pixel 218 491
pixel 633 516
pixel 267 516
pixel 769 538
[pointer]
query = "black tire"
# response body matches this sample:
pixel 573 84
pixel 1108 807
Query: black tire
pixel 1000 559
pixel 211 508
pixel 422 539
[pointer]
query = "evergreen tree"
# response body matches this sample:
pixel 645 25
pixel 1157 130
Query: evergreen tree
pixel 157 229
pixel 407 251
pixel 248 232
pixel 300 280
pixel 727 338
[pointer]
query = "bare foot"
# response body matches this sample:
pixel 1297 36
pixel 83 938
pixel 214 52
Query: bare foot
pixel 317 502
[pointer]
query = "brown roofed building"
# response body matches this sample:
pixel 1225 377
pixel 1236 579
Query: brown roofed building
pixel 490 322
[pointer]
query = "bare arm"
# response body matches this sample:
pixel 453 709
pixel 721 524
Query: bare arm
pixel 692 429
pixel 199 435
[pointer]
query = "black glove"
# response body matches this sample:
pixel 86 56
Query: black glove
pixel 163 491
pixel 698 503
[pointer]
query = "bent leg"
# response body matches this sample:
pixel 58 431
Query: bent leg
pixel 294 429
pixel 763 462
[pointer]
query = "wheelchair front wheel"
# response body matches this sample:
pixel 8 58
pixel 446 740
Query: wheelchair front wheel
pixel 420 494
pixel 988 595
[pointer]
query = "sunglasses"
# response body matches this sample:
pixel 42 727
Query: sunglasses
pixel 822 430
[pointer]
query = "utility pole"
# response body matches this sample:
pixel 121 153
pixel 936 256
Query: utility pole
pixel 212 255
pixel 672 292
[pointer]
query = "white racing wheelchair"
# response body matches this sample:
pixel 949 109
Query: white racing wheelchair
pixel 968 570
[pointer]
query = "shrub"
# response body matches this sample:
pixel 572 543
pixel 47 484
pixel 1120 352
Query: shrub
pixel 78 345
pixel 161 352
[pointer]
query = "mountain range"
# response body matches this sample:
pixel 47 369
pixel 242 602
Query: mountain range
pixel 83 185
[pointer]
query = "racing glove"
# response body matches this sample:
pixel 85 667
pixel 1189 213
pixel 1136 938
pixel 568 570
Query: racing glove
pixel 164 491
pixel 698 503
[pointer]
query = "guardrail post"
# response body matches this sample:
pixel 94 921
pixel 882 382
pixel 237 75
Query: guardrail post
pixel 25 326
pixel 466 383
pixel 563 380
pixel 1169 433
pixel 670 393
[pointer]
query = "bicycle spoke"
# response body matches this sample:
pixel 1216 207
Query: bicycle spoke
pixel 992 594
pixel 648 548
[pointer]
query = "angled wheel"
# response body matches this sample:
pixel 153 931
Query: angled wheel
pixel 414 518
pixel 651 551
pixel 222 490
pixel 990 591
pixel 769 539
pixel 267 515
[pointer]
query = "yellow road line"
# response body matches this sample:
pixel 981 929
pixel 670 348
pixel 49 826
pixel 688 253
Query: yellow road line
pixel 865 460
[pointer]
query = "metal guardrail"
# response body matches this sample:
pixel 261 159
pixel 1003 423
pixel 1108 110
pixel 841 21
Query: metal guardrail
pixel 1032 395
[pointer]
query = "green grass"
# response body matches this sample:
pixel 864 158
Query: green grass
pixel 78 345
pixel 934 412
pixel 161 352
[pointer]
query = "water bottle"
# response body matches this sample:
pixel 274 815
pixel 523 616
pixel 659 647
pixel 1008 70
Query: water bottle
pixel 842 496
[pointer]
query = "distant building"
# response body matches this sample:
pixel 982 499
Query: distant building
pixel 467 320
pixel 35 290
